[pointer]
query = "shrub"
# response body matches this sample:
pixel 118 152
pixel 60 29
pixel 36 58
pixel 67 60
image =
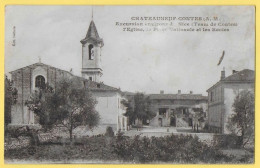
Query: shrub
pixel 226 141
pixel 174 148
pixel 109 132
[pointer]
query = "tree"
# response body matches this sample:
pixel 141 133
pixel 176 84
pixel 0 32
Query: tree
pixel 139 107
pixel 242 121
pixel 69 105
pixel 10 99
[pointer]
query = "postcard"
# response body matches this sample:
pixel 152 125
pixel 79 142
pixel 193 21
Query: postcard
pixel 129 84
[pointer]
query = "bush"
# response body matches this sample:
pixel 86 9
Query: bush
pixel 109 132
pixel 174 148
pixel 171 149
pixel 227 141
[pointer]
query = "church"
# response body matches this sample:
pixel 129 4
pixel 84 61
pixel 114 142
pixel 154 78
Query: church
pixel 27 79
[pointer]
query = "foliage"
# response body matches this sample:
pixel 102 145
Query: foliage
pixel 170 149
pixel 94 148
pixel 11 94
pixel 70 106
pixel 139 107
pixel 226 141
pixel 39 103
pixel 174 148
pixel 109 132
pixel 22 132
pixel 242 121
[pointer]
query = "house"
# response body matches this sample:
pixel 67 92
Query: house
pixel 28 79
pixel 222 94
pixel 177 110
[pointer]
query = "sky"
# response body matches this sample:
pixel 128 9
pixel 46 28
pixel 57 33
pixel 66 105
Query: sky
pixel 133 61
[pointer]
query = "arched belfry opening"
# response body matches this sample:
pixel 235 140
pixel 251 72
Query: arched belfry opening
pixel 91 52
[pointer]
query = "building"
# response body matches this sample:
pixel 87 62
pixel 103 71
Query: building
pixel 177 110
pixel 109 101
pixel 28 79
pixel 91 54
pixel 222 94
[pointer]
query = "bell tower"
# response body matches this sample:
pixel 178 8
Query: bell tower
pixel 91 54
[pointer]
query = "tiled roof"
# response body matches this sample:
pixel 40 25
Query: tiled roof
pixel 244 75
pixel 178 96
pixel 129 93
pixel 92 33
pixel 95 86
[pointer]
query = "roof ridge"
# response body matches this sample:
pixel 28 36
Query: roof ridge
pixel 237 73
pixel 178 96
pixel 175 94
pixel 40 63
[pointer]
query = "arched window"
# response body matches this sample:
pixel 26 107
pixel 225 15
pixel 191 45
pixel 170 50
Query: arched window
pixel 91 52
pixel 40 82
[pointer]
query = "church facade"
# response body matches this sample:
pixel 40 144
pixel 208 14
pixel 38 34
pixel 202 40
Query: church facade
pixel 27 79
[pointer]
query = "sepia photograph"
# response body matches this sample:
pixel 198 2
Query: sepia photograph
pixel 104 84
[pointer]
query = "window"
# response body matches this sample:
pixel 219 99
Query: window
pixel 211 96
pixel 90 78
pixel 184 111
pixel 40 82
pixel 91 52
pixel 162 111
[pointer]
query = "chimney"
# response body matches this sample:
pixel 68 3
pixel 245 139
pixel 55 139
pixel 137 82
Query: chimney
pixel 191 92
pixel 234 71
pixel 222 74
pixel 161 92
pixel 179 91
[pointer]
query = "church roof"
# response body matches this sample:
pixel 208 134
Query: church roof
pixel 96 86
pixel 177 97
pixel 91 85
pixel 39 64
pixel 92 34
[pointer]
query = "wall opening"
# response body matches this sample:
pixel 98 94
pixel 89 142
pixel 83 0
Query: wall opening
pixel 91 52
pixel 40 82
pixel 173 121
pixel 162 111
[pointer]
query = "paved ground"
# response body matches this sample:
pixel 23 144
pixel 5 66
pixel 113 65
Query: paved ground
pixel 164 131
pixel 147 131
